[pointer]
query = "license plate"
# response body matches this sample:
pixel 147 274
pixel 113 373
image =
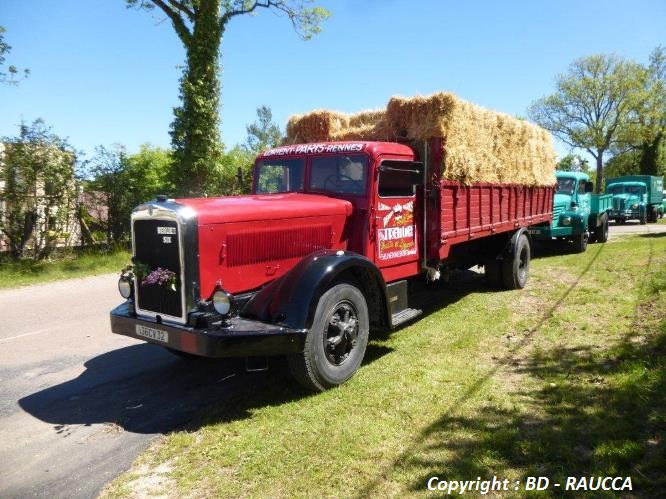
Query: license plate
pixel 152 333
pixel 534 231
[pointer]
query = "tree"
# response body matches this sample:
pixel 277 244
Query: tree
pixel 574 163
pixel 624 163
pixel 593 102
pixel 148 174
pixel 121 181
pixel 9 77
pixel 651 115
pixel 109 179
pixel 263 133
pixel 39 197
pixel 200 25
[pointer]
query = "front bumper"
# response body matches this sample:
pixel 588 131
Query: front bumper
pixel 242 338
pixel 625 214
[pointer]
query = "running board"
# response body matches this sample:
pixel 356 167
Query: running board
pixel 405 315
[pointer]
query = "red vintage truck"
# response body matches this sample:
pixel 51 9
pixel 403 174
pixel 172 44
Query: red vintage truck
pixel 320 254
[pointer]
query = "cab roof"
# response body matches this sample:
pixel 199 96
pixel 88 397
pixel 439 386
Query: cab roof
pixel 576 175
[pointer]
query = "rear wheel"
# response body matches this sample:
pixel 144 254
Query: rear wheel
pixel 516 266
pixel 601 231
pixel 336 342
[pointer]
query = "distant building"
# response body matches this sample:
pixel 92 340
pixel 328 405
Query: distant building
pixel 51 219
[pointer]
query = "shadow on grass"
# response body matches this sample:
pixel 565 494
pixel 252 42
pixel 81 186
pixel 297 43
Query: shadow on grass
pixel 585 412
pixel 653 235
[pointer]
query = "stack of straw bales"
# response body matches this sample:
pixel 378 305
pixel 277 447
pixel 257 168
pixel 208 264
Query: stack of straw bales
pixel 481 145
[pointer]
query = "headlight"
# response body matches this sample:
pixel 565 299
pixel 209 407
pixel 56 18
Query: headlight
pixel 634 206
pixel 566 221
pixel 221 302
pixel 125 288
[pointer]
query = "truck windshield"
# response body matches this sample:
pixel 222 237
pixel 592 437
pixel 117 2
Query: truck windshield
pixel 280 175
pixel 566 186
pixel 342 174
pixel 615 189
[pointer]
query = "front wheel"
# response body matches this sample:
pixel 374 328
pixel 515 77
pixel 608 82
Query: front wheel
pixel 580 242
pixel 336 342
pixel 643 218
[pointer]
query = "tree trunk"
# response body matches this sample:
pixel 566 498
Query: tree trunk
pixel 195 129
pixel 600 165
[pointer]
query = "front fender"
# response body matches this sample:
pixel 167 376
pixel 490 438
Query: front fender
pixel 292 299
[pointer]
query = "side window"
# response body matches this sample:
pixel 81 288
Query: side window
pixel 397 180
pixel 280 175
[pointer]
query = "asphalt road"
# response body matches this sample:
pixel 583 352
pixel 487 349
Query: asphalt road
pixel 78 403
pixel 634 227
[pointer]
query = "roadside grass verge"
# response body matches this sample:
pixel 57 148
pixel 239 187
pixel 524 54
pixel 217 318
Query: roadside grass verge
pixel 67 266
pixel 563 378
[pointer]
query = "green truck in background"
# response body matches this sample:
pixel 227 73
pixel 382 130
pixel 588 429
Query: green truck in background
pixel 578 215
pixel 636 197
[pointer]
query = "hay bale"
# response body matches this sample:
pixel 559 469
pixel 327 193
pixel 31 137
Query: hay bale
pixel 323 125
pixel 481 145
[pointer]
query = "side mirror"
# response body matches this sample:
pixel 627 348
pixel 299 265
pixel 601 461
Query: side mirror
pixel 589 187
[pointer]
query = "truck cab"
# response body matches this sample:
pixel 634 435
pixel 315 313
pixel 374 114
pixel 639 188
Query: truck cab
pixel 578 215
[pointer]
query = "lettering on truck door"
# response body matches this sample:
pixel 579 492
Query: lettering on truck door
pixel 397 238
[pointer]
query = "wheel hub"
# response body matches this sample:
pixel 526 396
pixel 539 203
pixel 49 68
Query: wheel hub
pixel 341 333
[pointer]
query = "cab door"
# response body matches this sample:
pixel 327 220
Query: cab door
pixel 398 218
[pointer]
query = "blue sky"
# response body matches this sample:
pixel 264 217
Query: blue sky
pixel 104 74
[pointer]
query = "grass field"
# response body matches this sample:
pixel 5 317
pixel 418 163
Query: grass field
pixel 24 272
pixel 563 378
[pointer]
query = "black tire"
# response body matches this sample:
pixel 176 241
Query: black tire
pixel 335 344
pixel 601 231
pixel 643 218
pixel 580 242
pixel 516 266
pixel 654 215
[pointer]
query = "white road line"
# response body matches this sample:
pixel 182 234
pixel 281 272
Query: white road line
pixel 22 335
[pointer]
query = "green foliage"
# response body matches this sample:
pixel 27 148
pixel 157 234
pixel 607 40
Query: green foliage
pixel 39 194
pixel 200 25
pixel 122 181
pixel 8 77
pixel 576 163
pixel 650 133
pixel 593 103
pixel 110 182
pixel 263 133
pixel 626 163
pixel 148 173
